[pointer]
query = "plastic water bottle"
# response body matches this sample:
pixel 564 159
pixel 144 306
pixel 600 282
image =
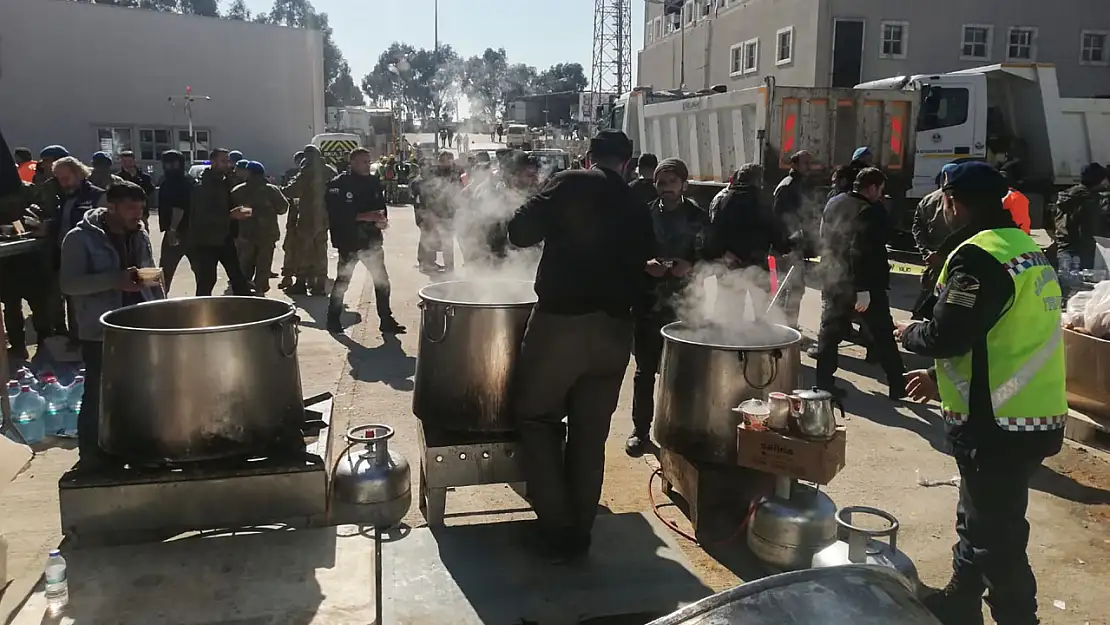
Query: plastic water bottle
pixel 27 378
pixel 27 414
pixel 13 389
pixel 57 583
pixel 74 394
pixel 57 403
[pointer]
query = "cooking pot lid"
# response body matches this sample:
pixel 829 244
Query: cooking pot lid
pixel 813 394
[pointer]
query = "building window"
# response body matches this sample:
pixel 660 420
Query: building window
pixel 184 145
pixel 784 46
pixel 1022 44
pixel 658 26
pixel 153 142
pixel 895 40
pixel 977 42
pixel 113 140
pixel 688 13
pixel 736 60
pixel 1093 47
pixel 649 32
pixel 706 7
pixel 750 60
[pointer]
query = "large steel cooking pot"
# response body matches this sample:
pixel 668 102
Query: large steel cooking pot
pixel 705 372
pixel 857 594
pixel 200 378
pixel 470 335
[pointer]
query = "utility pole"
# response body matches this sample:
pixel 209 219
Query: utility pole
pixel 611 67
pixel 189 98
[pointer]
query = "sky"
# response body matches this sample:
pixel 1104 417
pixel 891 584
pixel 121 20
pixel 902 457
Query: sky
pixel 539 33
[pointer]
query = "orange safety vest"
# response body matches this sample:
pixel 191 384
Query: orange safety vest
pixel 1018 205
pixel 27 171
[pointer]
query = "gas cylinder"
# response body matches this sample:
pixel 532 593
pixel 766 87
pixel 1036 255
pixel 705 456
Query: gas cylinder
pixel 372 477
pixel 787 529
pixel 861 547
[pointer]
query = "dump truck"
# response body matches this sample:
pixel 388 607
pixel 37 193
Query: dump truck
pixel 914 125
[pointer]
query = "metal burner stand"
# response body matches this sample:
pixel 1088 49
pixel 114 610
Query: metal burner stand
pixel 718 496
pixel 453 459
pixel 137 504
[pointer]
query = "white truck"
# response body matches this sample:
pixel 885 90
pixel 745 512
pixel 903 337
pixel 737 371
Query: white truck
pixel 913 125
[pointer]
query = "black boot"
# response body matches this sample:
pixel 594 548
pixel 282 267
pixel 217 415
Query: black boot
pixel 956 605
pixel 334 325
pixel 635 444
pixel 389 325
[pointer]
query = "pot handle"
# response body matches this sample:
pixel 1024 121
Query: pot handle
pixel 775 356
pixel 448 312
pixel 859 537
pixel 292 328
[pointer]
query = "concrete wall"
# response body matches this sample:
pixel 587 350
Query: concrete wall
pixel 935 32
pixel 67 68
pixel 710 40
pixel 936 36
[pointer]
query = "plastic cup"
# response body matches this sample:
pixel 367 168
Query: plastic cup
pixel 150 274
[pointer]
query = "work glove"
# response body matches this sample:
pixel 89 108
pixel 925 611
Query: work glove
pixel 863 301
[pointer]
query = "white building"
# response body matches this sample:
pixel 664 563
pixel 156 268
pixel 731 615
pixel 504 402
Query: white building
pixel 96 77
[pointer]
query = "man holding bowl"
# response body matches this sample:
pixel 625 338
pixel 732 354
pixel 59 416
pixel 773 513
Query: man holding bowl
pixel 107 263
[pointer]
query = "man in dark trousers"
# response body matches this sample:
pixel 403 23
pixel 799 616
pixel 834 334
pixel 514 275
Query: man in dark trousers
pixel 1079 219
pixel 995 334
pixel 357 215
pixel 174 197
pixel 799 221
pixel 211 235
pixel 597 237
pixel 856 277
pixel 677 222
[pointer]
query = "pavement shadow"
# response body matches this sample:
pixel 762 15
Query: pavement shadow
pixel 260 575
pixel 317 308
pixel 631 570
pixel 386 363
pixel 1048 480
pixel 878 408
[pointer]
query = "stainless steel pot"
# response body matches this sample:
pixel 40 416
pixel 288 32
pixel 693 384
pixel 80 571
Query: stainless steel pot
pixel 470 335
pixel 850 595
pixel 200 378
pixel 701 379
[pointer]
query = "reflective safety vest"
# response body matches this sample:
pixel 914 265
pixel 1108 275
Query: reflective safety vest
pixel 1025 348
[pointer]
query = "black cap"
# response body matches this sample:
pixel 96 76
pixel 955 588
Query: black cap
pixel 975 179
pixel 172 155
pixel 611 144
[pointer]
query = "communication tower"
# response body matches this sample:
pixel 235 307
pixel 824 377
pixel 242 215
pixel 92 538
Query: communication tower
pixel 611 70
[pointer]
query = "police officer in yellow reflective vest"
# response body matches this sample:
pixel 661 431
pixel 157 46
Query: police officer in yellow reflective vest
pixel 999 374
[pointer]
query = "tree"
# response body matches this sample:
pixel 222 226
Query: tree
pixel 207 8
pixel 484 78
pixel 520 81
pixel 238 11
pixel 388 81
pixel 562 77
pixel 343 91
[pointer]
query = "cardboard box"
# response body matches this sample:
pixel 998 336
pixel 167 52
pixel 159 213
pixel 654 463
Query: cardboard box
pixel 769 451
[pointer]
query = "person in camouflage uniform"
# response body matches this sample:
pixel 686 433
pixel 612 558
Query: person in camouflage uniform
pixel 102 175
pixel 290 261
pixel 258 234
pixel 309 242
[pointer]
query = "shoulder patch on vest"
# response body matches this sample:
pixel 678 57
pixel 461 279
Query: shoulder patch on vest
pixel 962 291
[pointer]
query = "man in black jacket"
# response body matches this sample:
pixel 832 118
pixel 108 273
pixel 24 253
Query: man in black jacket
pixel 129 171
pixel 740 234
pixel 1079 218
pixel 357 214
pixel 644 184
pixel 677 222
pixel 174 196
pixel 856 276
pixel 597 237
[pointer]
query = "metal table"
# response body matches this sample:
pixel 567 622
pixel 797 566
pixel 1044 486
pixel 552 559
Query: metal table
pixel 7 249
